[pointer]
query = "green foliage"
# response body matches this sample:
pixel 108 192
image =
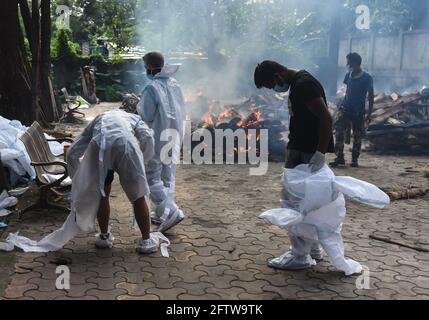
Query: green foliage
pixel 63 48
pixel 112 19
pixel 113 93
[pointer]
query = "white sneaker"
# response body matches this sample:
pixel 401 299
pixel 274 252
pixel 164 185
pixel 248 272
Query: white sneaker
pixel 172 220
pixel 289 262
pixel 104 241
pixel 148 246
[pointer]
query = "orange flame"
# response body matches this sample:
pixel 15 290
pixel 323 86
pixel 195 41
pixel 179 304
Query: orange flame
pixel 207 117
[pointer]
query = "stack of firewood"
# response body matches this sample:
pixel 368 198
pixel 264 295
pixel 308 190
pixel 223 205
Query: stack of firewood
pixel 400 123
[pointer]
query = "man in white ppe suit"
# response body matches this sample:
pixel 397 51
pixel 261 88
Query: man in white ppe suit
pixel 119 142
pixel 311 137
pixel 162 107
pixel 114 142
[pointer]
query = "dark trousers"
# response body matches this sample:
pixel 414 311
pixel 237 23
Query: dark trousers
pixel 357 123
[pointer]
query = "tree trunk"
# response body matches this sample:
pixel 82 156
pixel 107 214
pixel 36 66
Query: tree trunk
pixel 35 63
pixel 48 107
pixel 15 87
pixel 26 18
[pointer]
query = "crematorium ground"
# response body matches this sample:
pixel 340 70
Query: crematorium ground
pixel 220 251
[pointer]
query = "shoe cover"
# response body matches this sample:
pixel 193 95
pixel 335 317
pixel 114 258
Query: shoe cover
pixel 104 243
pixel 317 253
pixel 151 245
pixel 174 218
pixel 290 262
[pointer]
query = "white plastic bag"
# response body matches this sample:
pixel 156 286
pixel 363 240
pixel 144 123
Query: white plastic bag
pixel 6 201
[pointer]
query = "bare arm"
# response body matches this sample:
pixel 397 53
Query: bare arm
pixel 319 108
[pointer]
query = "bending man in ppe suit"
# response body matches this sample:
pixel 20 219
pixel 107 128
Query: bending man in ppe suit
pixel 114 142
pixel 311 137
pixel 162 107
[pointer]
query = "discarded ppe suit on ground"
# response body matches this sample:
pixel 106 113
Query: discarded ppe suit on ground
pixel 162 107
pixel 315 213
pixel 114 140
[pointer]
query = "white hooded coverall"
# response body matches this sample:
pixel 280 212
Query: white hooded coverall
pixel 114 140
pixel 162 107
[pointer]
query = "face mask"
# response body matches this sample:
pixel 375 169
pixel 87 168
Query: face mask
pixel 281 89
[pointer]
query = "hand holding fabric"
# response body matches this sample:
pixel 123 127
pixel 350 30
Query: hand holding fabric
pixel 317 162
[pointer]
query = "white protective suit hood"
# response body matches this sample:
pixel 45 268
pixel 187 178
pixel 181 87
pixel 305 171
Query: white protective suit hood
pixel 168 71
pixel 318 210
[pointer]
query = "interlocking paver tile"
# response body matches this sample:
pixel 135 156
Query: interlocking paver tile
pixel 133 289
pixel 221 250
pixel 79 290
pixel 48 295
pixel 106 295
pixel 106 283
pixel 167 294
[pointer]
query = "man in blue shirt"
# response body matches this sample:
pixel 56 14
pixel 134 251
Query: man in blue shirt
pixel 360 87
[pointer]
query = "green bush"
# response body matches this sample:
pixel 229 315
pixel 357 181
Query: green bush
pixel 113 93
pixel 63 48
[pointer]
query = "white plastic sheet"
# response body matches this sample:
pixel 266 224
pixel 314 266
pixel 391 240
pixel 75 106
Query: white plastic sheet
pixel 318 209
pixel 6 202
pixel 53 242
pixel 12 151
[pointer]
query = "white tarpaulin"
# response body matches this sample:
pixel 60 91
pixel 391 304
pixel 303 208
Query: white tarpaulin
pixel 316 208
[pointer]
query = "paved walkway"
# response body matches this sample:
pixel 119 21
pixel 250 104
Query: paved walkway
pixel 220 251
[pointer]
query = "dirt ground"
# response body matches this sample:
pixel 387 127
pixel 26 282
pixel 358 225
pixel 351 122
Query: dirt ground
pixel 221 249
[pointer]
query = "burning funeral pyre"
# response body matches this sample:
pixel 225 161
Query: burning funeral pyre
pixel 259 112
pixel 400 123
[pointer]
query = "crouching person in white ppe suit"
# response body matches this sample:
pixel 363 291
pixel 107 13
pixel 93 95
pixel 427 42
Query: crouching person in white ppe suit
pixel 115 142
pixel 162 107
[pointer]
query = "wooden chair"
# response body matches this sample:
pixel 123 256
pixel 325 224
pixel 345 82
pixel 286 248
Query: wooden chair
pixel 43 164
pixel 72 108
pixel 36 132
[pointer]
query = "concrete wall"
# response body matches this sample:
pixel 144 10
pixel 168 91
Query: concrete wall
pixel 396 62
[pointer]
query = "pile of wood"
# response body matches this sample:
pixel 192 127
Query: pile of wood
pixel 258 112
pixel 400 124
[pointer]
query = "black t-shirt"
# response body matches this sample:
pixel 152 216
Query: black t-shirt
pixel 304 125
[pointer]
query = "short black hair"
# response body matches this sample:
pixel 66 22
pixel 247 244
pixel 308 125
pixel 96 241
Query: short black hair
pixel 265 72
pixel 154 60
pixel 355 57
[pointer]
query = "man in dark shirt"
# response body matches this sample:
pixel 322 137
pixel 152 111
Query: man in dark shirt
pixel 310 138
pixel 311 135
pixel 360 85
